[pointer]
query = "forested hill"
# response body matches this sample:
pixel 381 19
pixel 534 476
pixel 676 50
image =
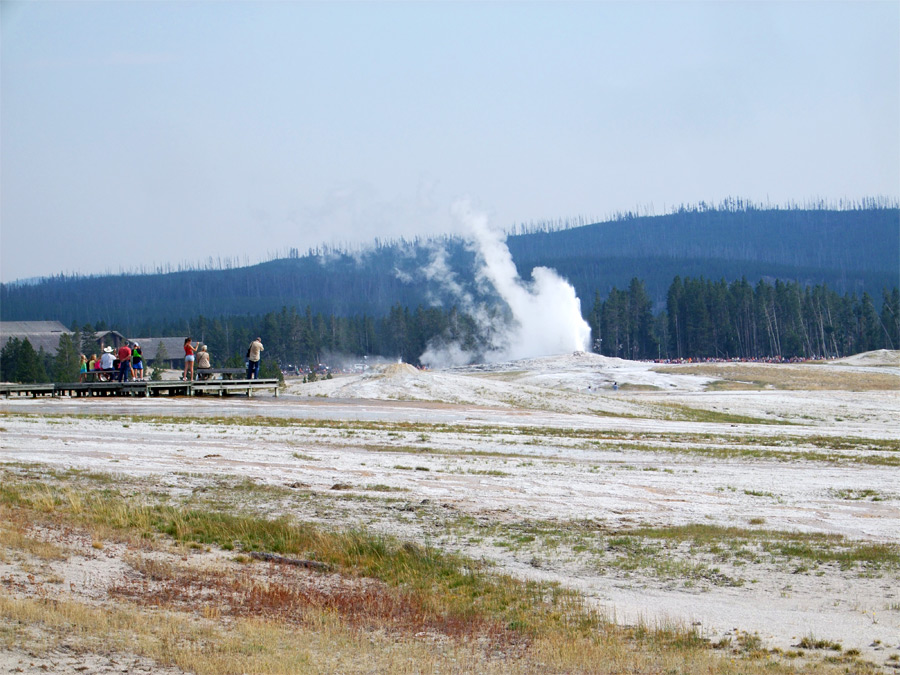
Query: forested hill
pixel 850 251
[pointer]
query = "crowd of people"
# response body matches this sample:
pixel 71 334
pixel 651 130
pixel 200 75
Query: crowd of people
pixel 127 363
pixel 746 359
pixel 199 355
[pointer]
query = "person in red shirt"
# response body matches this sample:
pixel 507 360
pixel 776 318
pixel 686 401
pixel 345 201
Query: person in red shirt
pixel 189 350
pixel 125 363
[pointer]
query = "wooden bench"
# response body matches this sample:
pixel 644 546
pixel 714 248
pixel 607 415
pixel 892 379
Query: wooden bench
pixel 222 373
pixel 102 375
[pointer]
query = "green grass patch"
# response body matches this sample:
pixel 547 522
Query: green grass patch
pixel 442 583
pixel 444 590
pixel 627 386
pixel 811 642
pixel 384 488
pixel 680 412
pixel 732 385
pixel 399 430
pixel 806 546
pixel 859 495
pixel 688 553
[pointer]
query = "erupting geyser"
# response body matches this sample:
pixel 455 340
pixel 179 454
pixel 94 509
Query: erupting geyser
pixel 545 314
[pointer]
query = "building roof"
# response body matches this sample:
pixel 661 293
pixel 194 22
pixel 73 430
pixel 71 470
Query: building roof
pixel 41 334
pixel 46 334
pixel 112 334
pixel 111 338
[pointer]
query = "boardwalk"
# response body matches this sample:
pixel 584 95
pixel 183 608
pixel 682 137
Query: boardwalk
pixel 143 388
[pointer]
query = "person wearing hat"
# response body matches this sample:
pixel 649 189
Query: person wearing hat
pixel 106 361
pixel 253 359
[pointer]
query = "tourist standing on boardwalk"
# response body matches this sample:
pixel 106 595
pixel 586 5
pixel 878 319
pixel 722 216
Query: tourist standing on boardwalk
pixel 189 350
pixel 137 362
pixel 82 368
pixel 253 359
pixel 125 363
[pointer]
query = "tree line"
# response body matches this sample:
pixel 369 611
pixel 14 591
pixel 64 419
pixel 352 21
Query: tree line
pixel 701 319
pixel 852 249
pixel 716 319
pixel 19 362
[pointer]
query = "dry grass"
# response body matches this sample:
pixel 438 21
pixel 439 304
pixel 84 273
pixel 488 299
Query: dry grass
pixel 324 643
pixel 290 595
pixel 813 377
pixel 14 537
pixel 388 606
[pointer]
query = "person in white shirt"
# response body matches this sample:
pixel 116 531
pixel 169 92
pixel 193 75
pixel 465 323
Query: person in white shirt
pixel 107 358
pixel 106 363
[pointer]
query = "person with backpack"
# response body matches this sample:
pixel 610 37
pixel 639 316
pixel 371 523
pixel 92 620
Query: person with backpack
pixel 253 359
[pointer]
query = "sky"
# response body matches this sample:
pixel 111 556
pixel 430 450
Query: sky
pixel 135 135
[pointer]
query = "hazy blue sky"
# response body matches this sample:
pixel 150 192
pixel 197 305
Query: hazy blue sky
pixel 141 133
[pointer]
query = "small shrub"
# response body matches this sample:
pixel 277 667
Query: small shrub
pixel 810 642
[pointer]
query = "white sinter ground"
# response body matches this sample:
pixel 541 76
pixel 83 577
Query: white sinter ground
pixel 780 448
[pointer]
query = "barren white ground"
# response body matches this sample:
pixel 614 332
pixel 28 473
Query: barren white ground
pixel 419 485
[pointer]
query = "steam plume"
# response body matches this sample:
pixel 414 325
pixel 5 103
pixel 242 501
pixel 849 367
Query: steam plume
pixel 543 317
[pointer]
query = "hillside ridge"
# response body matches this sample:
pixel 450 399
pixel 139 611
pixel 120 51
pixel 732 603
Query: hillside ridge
pixel 851 251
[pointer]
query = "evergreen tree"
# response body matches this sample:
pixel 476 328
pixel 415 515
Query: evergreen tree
pixel 66 364
pixel 640 321
pixel 740 305
pixel 869 333
pixel 268 368
pixel 9 360
pixel 88 341
pixel 787 299
pixel 614 324
pixel 160 363
pixel 31 365
pixel 767 316
pixel 594 321
pixel 698 325
pixel 675 312
pixel 20 363
pixel 890 317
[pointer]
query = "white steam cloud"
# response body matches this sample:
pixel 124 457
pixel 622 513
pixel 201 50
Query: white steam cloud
pixel 544 315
